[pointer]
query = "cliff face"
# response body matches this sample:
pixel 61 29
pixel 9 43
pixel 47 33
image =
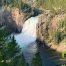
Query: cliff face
pixel 12 18
pixel 18 17
pixel 42 26
pixel 51 29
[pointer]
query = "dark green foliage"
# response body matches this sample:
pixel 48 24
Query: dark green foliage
pixel 3 34
pixel 37 60
pixel 63 65
pixel 15 3
pixel 27 64
pixel 10 52
pixel 57 37
pixel 60 33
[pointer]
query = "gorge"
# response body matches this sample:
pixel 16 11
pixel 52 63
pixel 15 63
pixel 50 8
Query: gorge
pixel 32 32
pixel 27 40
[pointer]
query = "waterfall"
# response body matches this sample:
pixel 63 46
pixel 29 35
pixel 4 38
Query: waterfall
pixel 26 39
pixel 28 34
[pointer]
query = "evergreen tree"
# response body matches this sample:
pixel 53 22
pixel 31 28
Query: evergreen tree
pixel 37 60
pixel 10 52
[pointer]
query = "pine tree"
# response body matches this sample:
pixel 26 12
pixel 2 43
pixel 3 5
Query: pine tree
pixel 2 46
pixel 10 52
pixel 37 60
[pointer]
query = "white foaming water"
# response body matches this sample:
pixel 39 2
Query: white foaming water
pixel 26 39
pixel 28 34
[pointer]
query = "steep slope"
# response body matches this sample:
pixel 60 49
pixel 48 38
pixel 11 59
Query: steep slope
pixel 51 30
pixel 13 18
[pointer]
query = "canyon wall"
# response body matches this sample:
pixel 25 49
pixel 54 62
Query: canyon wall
pixel 51 29
pixel 12 18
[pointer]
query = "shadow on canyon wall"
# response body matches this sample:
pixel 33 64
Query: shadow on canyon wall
pixel 7 21
pixel 49 56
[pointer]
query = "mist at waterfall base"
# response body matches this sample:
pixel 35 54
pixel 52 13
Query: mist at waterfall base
pixel 26 39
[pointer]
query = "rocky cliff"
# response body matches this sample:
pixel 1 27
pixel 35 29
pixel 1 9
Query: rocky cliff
pixel 51 30
pixel 13 18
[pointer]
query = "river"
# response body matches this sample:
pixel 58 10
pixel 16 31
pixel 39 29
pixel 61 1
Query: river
pixel 27 40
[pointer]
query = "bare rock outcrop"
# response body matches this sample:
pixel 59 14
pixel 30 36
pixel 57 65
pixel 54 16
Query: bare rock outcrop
pixel 12 18
pixel 51 30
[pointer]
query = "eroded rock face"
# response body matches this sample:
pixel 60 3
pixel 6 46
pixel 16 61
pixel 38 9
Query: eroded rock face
pixel 12 18
pixel 49 27
pixel 52 31
pixel 41 26
pixel 18 17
